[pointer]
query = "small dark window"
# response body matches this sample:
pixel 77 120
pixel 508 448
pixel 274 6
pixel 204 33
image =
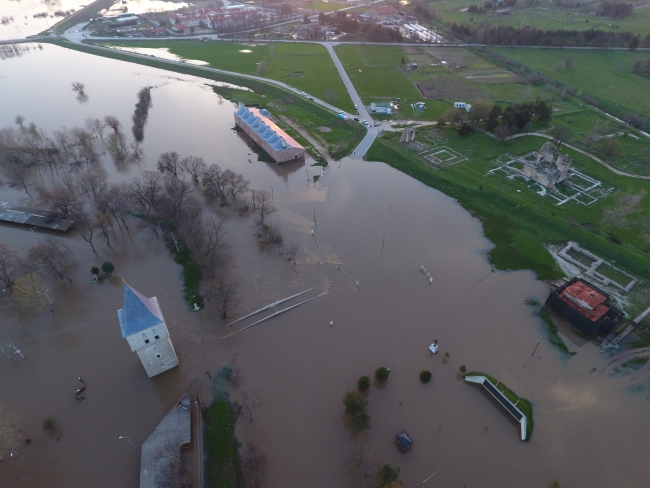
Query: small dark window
pixel 157 337
pixel 146 341
pixel 157 355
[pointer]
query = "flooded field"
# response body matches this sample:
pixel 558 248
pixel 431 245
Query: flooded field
pixel 374 226
pixel 23 18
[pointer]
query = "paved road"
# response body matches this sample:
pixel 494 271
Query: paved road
pixel 373 132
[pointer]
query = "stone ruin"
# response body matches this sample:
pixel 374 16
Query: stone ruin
pixel 408 134
pixel 549 168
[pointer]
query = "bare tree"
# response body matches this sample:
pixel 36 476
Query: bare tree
pixel 96 126
pixel 19 120
pixel 253 465
pixel 29 292
pixel 60 196
pixel 50 256
pixel 18 174
pixel 250 402
pixel 9 263
pixel 292 251
pixel 136 150
pixel 213 182
pixel 176 205
pixel 92 185
pixel 117 147
pixel 104 225
pixel 263 205
pixel 225 295
pixel 9 433
pixel 193 166
pixel 147 190
pixel 117 198
pixel 599 129
pixel 169 162
pixel 561 133
pixel 624 204
pixel 236 184
pixel 87 227
pixel 363 465
pixel 197 387
pixel 113 123
pixel 205 240
pixel 502 132
pixel 79 88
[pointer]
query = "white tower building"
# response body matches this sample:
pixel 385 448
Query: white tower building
pixel 143 326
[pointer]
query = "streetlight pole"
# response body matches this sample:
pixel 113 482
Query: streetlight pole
pixel 127 438
pixel 16 454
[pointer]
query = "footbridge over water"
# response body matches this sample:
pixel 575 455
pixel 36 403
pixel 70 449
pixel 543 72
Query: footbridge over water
pixel 501 398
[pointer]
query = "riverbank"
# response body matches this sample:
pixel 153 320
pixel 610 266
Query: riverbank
pixel 342 137
pixel 522 224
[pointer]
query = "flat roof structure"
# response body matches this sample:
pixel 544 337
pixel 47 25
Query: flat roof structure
pixel 34 217
pixel 503 400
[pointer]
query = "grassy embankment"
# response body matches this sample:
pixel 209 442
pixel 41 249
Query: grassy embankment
pixel 554 337
pixel 307 67
pixel 522 224
pixel 340 140
pixel 222 469
pixel 522 404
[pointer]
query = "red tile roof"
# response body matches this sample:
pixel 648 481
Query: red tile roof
pixel 586 300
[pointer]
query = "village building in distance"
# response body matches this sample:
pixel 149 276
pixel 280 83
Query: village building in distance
pixel 585 307
pixel 143 326
pixel 257 124
pixel 550 167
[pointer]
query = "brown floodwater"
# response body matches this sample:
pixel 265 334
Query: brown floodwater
pixel 380 226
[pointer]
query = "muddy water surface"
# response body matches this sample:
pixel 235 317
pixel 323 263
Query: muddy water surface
pixel 379 226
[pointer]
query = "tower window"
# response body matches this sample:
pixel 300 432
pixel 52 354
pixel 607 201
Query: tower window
pixel 146 341
pixel 157 337
pixel 157 355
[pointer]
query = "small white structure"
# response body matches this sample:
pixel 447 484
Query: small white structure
pixel 434 347
pixel 463 105
pixel 143 326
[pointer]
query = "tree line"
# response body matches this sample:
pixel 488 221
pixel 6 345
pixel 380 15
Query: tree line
pixel 504 35
pixel 62 172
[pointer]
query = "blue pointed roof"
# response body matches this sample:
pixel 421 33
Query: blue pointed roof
pixel 139 312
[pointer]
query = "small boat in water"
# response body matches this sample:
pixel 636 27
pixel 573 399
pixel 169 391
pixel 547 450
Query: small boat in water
pixel 434 347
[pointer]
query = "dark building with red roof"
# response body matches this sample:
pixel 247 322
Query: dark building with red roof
pixel 585 306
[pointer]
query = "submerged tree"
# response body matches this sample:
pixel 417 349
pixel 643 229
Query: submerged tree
pixel 29 292
pixel 356 406
pixel 9 264
pixel 50 256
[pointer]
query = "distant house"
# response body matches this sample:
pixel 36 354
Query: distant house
pixel 143 326
pixel 585 307
pixel 381 108
pixel 466 106
pixel 385 13
pixel 412 66
pixel 180 27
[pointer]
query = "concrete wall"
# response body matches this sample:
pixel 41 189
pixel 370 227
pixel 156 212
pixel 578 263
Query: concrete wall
pixel 137 341
pixel 158 357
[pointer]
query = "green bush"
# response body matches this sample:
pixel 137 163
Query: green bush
pixel 381 374
pixel 425 376
pixel 463 368
pixel 356 406
pixel 94 270
pixel 364 383
pixel 387 474
pixel 108 267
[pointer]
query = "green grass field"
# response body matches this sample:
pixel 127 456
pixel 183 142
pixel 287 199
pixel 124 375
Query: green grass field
pixel 521 224
pixel 376 72
pixel 307 67
pixel 222 469
pixel 594 72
